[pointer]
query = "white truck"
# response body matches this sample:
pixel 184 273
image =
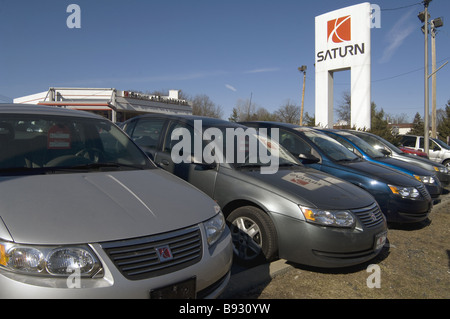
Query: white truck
pixel 439 152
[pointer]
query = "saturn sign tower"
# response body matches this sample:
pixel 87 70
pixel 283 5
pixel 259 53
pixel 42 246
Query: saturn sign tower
pixel 343 43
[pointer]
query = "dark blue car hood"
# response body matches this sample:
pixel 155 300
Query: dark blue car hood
pixel 379 172
pixel 404 165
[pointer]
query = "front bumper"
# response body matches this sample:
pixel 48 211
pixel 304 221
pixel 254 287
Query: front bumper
pixel 327 247
pixel 212 274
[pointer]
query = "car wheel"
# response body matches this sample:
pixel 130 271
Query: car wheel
pixel 446 163
pixel 254 235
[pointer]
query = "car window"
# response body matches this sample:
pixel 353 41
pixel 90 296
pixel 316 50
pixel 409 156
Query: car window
pixel 409 141
pixel 294 144
pixel 147 132
pixel 29 143
pixel 169 143
pixel 442 144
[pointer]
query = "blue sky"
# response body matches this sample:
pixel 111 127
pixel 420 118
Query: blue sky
pixel 227 49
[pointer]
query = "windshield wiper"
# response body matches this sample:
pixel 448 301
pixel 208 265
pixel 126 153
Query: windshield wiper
pixel 103 165
pixel 349 159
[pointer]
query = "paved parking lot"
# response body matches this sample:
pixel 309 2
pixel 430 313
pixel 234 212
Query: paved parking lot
pixel 415 263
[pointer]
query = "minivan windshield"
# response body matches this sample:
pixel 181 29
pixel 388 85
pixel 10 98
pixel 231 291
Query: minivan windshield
pixel 34 143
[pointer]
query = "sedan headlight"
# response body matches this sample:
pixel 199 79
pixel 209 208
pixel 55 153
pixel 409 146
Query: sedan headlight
pixel 49 260
pixel 214 227
pixel 328 217
pixel 442 169
pixel 405 192
pixel 425 179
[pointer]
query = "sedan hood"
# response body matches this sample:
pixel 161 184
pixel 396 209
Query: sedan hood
pixel 381 173
pixel 312 188
pixel 404 165
pixel 100 206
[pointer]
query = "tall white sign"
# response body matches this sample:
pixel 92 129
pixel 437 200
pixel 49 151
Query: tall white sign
pixel 343 43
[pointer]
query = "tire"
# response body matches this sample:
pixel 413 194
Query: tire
pixel 446 163
pixel 253 234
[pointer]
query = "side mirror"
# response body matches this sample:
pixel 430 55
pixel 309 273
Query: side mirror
pixel 385 152
pixel 308 159
pixel 207 166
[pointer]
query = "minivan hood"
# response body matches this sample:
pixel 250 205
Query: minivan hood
pixel 99 206
pixel 311 187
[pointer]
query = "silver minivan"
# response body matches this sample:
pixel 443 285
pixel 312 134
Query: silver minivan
pixel 84 213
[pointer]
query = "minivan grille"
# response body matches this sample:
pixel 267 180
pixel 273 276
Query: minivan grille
pixel 369 216
pixel 151 256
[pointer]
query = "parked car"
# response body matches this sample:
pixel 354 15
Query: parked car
pixel 401 198
pixel 363 149
pixel 299 214
pixel 383 145
pixel 439 152
pixel 84 213
pixel 414 152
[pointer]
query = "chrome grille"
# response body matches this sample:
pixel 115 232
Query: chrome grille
pixel 369 216
pixel 142 258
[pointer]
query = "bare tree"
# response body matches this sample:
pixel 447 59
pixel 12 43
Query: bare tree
pixel 344 108
pixel 202 105
pixel 288 113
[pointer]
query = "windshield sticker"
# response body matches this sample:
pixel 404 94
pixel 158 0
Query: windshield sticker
pixel 58 137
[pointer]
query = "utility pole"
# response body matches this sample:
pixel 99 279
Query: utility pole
pixel 433 80
pixel 423 16
pixel 435 23
pixel 302 69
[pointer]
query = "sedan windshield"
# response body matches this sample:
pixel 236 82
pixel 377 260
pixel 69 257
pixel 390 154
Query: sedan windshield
pixel 31 144
pixel 332 148
pixel 364 146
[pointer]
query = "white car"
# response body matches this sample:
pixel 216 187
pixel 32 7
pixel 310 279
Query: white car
pixel 439 152
pixel 84 213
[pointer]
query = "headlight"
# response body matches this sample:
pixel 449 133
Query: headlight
pixel 328 217
pixel 405 192
pixel 425 179
pixel 214 227
pixel 49 260
pixel 442 169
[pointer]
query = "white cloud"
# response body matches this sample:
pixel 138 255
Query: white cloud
pixel 230 87
pixel 398 33
pixel 262 70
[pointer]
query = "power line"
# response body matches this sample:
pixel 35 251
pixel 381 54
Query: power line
pixel 404 7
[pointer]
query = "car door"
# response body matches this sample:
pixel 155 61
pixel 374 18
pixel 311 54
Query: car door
pixel 201 175
pixel 436 153
pixel 434 150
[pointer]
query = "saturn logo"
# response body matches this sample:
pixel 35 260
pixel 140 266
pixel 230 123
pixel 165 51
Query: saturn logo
pixel 339 30
pixel 164 253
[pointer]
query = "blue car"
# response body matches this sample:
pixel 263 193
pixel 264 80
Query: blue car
pixel 402 199
pixel 371 154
